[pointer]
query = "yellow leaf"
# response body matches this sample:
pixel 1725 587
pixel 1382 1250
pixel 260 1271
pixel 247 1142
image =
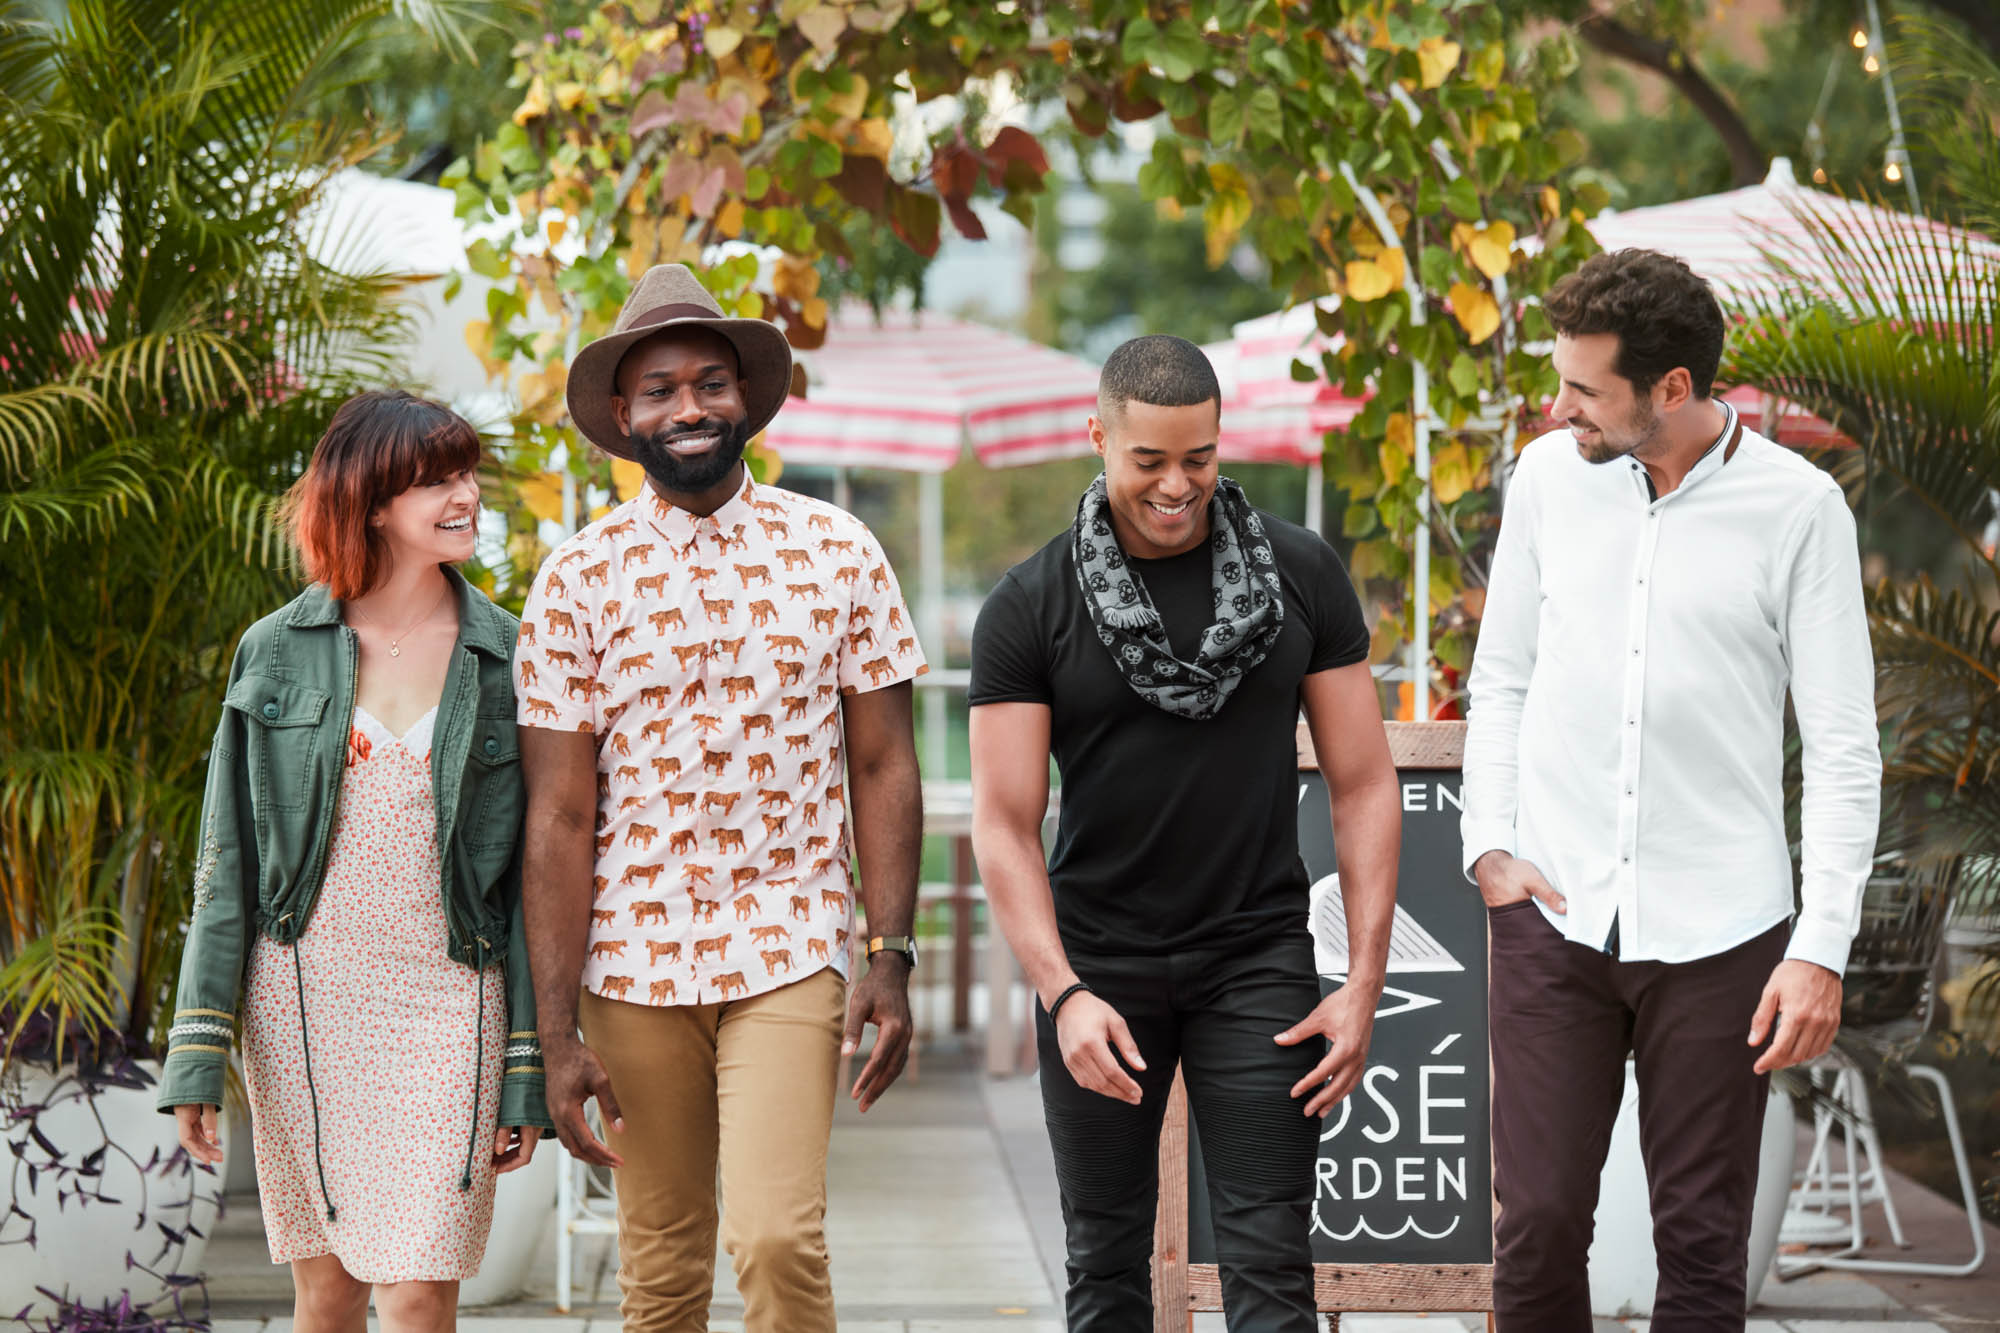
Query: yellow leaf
pixel 479 337
pixel 1451 472
pixel 729 220
pixel 534 103
pixel 610 81
pixel 1551 203
pixel 645 243
pixel 765 464
pixel 1372 279
pixel 1222 222
pixel 627 477
pixel 1363 237
pixel 1400 433
pixel 872 138
pixel 1475 310
pixel 813 312
pixel 568 94
pixel 1436 59
pixel 542 496
pixel 719 41
pixel 822 25
pixel 794 279
pixel 599 512
pixel 1395 463
pixel 662 37
pixel 1169 208
pixel 1491 248
pixel 557 226
pixel 852 102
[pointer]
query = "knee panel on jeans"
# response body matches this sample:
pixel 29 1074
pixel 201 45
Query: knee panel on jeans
pixel 1260 1147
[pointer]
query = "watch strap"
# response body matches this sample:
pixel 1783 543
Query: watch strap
pixel 902 944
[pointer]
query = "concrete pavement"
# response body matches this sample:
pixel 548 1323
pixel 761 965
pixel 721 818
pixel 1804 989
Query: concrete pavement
pixel 943 1218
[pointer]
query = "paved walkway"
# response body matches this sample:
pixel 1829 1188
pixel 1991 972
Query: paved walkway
pixel 943 1219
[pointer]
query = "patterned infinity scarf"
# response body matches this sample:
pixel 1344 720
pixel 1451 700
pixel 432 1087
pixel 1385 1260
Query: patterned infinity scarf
pixel 1249 610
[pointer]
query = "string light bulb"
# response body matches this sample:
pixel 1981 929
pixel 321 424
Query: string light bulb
pixel 1860 39
pixel 1819 175
pixel 1893 172
pixel 1871 64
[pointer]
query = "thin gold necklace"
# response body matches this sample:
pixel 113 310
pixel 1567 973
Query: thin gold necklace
pixel 395 639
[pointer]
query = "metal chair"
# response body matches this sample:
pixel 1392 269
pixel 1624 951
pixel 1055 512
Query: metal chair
pixel 585 1206
pixel 1890 995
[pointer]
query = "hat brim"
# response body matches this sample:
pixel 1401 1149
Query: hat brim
pixel 764 364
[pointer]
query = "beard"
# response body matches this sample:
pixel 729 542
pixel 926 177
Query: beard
pixel 687 476
pixel 1634 434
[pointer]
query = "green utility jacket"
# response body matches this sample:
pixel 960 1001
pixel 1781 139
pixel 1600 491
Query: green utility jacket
pixel 274 778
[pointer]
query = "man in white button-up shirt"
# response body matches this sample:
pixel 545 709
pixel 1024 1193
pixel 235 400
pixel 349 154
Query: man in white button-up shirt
pixel 1663 578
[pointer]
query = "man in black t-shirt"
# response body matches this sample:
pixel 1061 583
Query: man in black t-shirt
pixel 1161 650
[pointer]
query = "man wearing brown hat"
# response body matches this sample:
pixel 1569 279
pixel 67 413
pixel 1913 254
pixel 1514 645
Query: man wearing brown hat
pixel 693 669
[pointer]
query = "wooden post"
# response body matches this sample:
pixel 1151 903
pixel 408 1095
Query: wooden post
pixel 1172 1312
pixel 961 933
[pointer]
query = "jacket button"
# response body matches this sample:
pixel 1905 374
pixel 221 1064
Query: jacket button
pixel 271 708
pixel 492 746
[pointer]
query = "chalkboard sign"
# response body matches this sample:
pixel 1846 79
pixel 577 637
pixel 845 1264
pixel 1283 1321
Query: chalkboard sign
pixel 1403 1205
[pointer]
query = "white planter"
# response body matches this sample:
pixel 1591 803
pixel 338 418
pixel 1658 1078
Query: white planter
pixel 524 1206
pixel 1623 1266
pixel 82 1246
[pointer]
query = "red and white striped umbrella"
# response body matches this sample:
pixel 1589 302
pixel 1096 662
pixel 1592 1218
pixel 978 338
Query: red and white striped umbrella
pixel 1724 237
pixel 1259 432
pixel 911 392
pixel 1267 346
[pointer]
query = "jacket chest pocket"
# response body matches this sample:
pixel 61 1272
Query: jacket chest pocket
pixel 494 799
pixel 282 724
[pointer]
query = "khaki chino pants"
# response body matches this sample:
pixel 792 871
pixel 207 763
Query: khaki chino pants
pixel 747 1085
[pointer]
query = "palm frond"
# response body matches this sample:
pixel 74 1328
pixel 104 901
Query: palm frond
pixel 81 499
pixel 34 422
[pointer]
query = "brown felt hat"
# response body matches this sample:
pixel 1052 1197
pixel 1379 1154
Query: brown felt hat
pixel 669 296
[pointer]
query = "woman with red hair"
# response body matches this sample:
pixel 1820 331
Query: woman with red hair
pixel 357 898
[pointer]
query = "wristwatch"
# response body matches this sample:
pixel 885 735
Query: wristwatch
pixel 902 944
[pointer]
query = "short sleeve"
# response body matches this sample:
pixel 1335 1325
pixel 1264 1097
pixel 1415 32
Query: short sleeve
pixel 1009 650
pixel 881 647
pixel 555 659
pixel 1340 630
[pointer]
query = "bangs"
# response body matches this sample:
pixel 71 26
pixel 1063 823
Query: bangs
pixel 411 458
pixel 378 445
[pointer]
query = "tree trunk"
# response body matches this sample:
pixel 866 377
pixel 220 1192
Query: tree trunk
pixel 1747 163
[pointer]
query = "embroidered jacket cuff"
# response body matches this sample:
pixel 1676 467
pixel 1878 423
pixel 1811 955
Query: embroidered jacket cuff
pixel 1481 836
pixel 523 1084
pixel 191 1078
pixel 1820 942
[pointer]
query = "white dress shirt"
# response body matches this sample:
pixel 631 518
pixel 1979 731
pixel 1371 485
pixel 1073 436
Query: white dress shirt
pixel 1628 696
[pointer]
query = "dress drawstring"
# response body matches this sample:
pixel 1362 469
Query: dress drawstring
pixel 478 1070
pixel 312 1093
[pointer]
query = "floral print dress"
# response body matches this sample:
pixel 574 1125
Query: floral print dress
pixel 373 1109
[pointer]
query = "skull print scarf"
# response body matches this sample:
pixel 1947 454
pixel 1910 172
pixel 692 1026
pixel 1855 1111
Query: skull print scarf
pixel 1249 609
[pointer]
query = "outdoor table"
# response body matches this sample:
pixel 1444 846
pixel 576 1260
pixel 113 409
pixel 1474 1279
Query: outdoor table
pixel 948 814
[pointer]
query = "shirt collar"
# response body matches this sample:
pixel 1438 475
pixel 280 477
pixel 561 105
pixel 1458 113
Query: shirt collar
pixel 481 625
pixel 681 528
pixel 1711 459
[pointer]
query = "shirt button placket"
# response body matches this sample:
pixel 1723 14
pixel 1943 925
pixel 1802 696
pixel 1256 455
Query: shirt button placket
pixel 1635 702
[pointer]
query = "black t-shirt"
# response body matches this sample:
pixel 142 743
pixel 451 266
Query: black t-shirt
pixel 1174 833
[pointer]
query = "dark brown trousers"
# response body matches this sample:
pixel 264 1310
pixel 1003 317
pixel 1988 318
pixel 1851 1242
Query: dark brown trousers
pixel 1564 1018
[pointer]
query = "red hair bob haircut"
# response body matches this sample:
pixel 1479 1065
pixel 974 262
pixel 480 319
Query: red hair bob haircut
pixel 379 444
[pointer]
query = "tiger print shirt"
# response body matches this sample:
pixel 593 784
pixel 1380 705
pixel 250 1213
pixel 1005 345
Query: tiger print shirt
pixel 708 656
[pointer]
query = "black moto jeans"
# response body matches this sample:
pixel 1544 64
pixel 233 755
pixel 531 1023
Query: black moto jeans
pixel 1215 1012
